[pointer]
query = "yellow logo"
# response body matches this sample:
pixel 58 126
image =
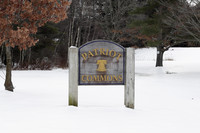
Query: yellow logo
pixel 102 65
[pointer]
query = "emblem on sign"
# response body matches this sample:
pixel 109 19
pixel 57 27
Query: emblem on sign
pixel 101 65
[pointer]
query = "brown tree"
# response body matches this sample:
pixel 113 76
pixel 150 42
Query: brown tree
pixel 19 21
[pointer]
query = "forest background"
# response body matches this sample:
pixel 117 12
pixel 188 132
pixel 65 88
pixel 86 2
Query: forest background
pixel 131 23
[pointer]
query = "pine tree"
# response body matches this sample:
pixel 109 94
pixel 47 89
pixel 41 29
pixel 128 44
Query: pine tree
pixel 151 29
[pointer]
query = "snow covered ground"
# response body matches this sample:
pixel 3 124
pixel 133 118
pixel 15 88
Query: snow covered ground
pixel 167 100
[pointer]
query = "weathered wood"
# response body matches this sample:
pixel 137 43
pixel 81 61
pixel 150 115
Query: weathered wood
pixel 130 78
pixel 107 55
pixel 102 64
pixel 73 76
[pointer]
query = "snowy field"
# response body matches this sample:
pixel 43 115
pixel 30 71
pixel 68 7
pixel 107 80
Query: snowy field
pixel 167 100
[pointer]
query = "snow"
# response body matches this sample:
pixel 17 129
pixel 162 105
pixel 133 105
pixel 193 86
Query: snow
pixel 167 100
pixel 73 47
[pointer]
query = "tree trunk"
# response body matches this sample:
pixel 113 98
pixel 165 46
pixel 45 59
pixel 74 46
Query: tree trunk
pixel 8 83
pixel 77 38
pixel 159 60
pixel 29 57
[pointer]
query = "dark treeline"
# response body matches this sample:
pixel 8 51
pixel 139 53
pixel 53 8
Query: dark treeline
pixel 131 23
pixel 87 20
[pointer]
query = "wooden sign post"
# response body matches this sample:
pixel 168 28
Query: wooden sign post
pixel 73 76
pixel 101 62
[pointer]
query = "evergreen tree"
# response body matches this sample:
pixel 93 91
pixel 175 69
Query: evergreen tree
pixel 48 36
pixel 151 29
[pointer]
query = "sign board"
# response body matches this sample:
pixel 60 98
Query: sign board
pixel 101 63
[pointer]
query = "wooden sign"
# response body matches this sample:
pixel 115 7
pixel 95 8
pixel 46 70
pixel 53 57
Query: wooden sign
pixel 101 63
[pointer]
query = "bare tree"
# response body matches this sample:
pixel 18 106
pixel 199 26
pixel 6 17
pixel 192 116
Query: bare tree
pixel 114 16
pixel 184 18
